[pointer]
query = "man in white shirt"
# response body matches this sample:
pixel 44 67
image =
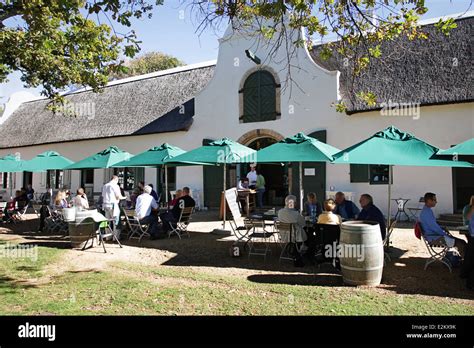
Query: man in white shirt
pixel 143 211
pixel 111 197
pixel 252 176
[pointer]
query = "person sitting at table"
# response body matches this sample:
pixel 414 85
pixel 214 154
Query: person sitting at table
pixel 466 210
pixel 346 209
pixel 60 201
pixel 13 206
pixel 144 211
pixel 80 201
pixel 172 216
pixel 30 193
pixel 243 184
pixel 370 212
pixel 327 216
pixel 154 194
pixel 252 176
pixel 312 207
pixel 292 216
pixel 432 231
pixel 178 195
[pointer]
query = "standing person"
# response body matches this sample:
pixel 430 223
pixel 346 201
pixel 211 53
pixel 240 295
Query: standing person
pixel 111 197
pixel 346 209
pixel 370 212
pixel 260 186
pixel 144 211
pixel 312 207
pixel 252 176
pixel 432 231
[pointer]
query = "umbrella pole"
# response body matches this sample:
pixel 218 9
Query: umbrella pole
pixel 225 203
pixel 389 201
pixel 11 183
pixel 166 183
pixel 301 187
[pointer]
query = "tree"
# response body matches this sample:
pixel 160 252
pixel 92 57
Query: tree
pixel 147 63
pixel 58 43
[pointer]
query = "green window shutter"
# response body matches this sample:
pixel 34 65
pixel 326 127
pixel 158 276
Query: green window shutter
pixel 359 172
pixel 259 97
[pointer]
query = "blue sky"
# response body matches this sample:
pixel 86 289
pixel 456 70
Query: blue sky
pixel 172 30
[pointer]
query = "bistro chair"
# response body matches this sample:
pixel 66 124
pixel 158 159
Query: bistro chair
pixel 258 236
pixel 181 227
pixel 390 229
pixel 327 235
pixel 286 238
pixel 437 249
pixel 136 229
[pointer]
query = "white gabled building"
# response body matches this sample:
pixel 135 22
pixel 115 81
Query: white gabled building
pixel 256 105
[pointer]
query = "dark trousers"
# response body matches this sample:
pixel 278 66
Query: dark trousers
pixel 152 222
pixel 167 219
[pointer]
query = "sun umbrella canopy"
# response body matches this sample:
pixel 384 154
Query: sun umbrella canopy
pixel 152 157
pixel 463 149
pixel 45 161
pixel 103 159
pixel 11 163
pixel 393 146
pixel 299 148
pixel 217 152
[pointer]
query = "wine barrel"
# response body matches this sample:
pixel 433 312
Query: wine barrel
pixel 361 253
pixel 80 233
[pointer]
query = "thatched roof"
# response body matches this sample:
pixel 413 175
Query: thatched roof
pixel 433 71
pixel 151 103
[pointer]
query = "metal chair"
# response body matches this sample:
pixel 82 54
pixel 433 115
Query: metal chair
pixel 285 233
pixel 21 208
pixel 136 229
pixel 437 249
pixel 181 227
pixel 259 236
pixel 55 222
pixel 386 241
pixel 328 235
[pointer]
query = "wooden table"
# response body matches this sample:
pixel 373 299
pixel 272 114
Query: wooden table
pixel 248 197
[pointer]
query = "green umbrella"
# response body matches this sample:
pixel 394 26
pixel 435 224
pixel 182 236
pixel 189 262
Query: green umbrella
pixel 299 148
pixel 154 157
pixel 393 146
pixel 224 151
pixel 103 159
pixel 45 161
pixel 10 164
pixel 463 149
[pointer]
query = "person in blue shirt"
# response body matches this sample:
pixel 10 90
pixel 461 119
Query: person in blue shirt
pixel 312 207
pixel 370 212
pixel 346 209
pixel 432 231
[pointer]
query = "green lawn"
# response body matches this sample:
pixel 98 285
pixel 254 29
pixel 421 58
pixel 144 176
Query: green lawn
pixel 134 289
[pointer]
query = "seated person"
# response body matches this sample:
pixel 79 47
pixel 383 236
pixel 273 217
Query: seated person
pixel 172 216
pixel 432 231
pixel 144 209
pixel 60 200
pixel 312 207
pixel 243 184
pixel 30 193
pixel 346 209
pixel 467 268
pixel 154 194
pixel 178 195
pixel 327 216
pixel 370 212
pixel 80 201
pixel 13 206
pixel 465 211
pixel 290 215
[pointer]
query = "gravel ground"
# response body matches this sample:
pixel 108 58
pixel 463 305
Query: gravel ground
pixel 209 252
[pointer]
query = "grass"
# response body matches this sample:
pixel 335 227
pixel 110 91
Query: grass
pixel 131 289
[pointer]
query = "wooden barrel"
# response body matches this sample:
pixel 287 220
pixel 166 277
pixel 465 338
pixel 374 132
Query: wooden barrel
pixel 79 233
pixel 361 253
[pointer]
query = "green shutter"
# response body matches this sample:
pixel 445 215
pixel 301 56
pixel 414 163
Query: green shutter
pixel 359 173
pixel 259 97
